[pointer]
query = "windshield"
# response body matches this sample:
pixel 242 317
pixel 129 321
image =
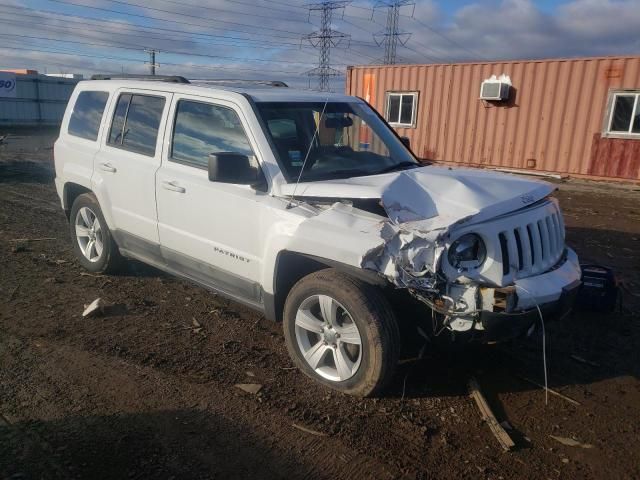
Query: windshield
pixel 338 140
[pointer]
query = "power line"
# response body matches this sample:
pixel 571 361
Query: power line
pixel 136 26
pixel 323 40
pixel 135 60
pixel 427 57
pixel 462 47
pixel 149 17
pixel 139 47
pixel 126 36
pixel 130 25
pixel 391 35
pixel 244 14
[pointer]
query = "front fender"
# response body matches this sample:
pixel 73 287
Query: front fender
pixel 337 236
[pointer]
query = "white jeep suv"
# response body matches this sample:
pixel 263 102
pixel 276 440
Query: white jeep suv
pixel 309 208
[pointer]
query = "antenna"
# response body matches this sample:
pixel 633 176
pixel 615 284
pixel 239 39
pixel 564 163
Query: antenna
pixel 324 39
pixel 390 36
pixel 315 134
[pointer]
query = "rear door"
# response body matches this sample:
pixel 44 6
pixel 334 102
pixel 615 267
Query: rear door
pixel 126 165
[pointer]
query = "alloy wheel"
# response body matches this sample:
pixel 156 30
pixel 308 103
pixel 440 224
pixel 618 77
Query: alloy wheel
pixel 328 338
pixel 89 234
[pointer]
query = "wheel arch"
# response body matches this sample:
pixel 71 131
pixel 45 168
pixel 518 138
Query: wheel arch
pixel 72 191
pixel 290 267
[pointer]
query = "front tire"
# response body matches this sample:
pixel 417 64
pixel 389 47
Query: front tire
pixel 341 332
pixel 93 244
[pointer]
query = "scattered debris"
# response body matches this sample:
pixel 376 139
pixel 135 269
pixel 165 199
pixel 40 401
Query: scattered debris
pixel 19 248
pixel 94 308
pixel 197 327
pixel 32 239
pixel 501 435
pixel 87 274
pixel 98 307
pixel 13 293
pixel 550 390
pixel 506 425
pixel 584 360
pixel 570 442
pixel 252 388
pixel 308 430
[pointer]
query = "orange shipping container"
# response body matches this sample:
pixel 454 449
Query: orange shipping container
pixel 557 117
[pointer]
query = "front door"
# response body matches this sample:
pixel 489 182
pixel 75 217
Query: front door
pixel 209 230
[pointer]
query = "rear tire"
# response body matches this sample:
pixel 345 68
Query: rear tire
pixel 93 243
pixel 341 332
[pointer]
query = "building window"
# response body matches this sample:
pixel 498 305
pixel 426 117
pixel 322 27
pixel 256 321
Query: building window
pixel 625 114
pixel 401 109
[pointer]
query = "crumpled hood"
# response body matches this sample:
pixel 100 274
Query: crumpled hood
pixel 431 197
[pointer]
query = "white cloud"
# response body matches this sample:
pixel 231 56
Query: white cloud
pixel 491 29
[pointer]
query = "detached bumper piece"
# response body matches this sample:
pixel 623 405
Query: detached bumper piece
pixel 500 326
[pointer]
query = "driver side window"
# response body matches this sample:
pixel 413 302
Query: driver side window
pixel 201 129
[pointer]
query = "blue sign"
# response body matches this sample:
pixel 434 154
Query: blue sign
pixel 7 84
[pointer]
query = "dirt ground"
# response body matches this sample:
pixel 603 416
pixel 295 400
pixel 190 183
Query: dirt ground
pixel 146 393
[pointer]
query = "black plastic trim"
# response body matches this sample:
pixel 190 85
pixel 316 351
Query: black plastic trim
pixel 220 281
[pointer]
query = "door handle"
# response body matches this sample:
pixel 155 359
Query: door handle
pixel 173 187
pixel 107 167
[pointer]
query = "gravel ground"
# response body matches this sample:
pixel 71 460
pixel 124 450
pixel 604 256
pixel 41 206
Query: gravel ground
pixel 148 391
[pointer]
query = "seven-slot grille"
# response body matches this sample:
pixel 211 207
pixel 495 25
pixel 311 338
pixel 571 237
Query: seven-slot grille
pixel 534 247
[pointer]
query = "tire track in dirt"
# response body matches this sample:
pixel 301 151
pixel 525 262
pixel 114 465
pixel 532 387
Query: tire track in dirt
pixel 116 387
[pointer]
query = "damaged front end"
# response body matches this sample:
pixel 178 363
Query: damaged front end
pixel 484 252
pixel 489 276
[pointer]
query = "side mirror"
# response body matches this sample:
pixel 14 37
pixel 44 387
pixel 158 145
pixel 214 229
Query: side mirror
pixel 406 142
pixel 229 167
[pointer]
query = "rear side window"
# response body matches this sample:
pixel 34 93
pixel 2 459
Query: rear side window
pixel 135 123
pixel 87 115
pixel 202 128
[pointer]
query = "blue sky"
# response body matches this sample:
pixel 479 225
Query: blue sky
pixel 264 38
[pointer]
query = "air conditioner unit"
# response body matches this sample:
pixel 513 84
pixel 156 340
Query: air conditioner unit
pixel 495 89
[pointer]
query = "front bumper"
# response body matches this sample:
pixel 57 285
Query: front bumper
pixel 553 292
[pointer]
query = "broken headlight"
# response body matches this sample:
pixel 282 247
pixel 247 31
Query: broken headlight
pixel 468 251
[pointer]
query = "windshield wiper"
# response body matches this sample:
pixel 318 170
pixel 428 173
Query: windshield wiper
pixel 353 172
pixel 398 166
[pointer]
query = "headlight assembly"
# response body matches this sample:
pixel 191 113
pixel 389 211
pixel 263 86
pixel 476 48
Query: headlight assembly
pixel 468 251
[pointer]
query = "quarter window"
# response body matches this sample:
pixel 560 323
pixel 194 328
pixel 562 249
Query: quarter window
pixel 135 123
pixel 87 114
pixel 625 114
pixel 201 129
pixel 401 109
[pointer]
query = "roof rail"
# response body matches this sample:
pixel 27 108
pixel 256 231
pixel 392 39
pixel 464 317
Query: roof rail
pixel 265 83
pixel 132 76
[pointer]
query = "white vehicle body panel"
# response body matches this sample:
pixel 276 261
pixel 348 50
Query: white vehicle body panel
pixel 241 232
pixel 124 181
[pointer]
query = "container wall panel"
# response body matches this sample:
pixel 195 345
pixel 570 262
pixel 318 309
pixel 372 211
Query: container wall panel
pixel 552 122
pixel 39 100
